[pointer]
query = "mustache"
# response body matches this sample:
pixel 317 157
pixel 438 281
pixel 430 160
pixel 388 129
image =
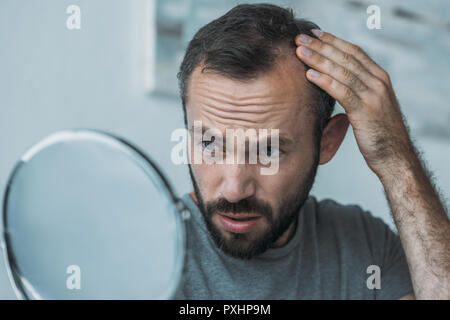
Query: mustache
pixel 250 205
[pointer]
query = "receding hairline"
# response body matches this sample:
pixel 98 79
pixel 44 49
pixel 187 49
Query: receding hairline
pixel 281 52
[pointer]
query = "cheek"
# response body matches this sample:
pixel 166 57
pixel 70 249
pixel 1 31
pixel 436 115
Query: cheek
pixel 293 169
pixel 207 178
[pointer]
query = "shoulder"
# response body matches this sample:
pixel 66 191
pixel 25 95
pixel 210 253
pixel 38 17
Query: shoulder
pixel 329 212
pixel 348 239
pixel 347 225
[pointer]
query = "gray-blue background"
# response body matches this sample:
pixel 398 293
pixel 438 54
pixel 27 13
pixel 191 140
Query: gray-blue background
pixel 101 76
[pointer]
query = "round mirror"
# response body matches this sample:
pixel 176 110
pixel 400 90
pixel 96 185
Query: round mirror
pixel 88 216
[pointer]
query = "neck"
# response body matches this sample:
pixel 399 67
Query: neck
pixel 287 235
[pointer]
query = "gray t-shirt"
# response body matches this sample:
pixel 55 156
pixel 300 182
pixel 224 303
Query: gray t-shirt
pixel 327 258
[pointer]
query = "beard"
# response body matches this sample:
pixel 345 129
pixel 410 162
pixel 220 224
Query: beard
pixel 249 245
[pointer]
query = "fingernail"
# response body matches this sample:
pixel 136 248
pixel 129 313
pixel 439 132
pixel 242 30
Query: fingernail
pixel 313 73
pixel 305 51
pixel 304 38
pixel 318 33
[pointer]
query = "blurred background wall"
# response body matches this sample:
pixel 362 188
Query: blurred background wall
pixel 118 73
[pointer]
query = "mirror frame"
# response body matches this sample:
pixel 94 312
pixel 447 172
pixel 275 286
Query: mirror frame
pixel 149 167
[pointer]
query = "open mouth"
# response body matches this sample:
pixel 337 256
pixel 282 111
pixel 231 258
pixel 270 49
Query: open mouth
pixel 238 223
pixel 240 216
pixel 242 219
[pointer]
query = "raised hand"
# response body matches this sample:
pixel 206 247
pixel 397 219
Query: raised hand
pixel 365 91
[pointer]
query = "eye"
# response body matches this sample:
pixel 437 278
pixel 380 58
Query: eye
pixel 272 151
pixel 206 144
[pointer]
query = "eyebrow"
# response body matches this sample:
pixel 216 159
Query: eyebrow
pixel 282 141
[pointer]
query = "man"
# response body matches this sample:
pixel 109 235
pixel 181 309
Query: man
pixel 254 236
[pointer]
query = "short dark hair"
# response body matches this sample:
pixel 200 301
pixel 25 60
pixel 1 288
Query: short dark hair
pixel 242 44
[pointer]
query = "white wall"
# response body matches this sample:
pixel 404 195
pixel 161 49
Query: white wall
pixel 52 78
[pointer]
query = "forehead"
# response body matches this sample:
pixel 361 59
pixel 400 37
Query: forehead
pixel 280 98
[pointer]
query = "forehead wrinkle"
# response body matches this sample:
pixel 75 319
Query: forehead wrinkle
pixel 276 118
pixel 244 98
pixel 232 120
pixel 268 110
pixel 256 110
pixel 253 93
pixel 243 115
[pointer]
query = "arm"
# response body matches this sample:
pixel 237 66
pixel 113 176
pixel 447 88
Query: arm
pixel 365 91
pixel 423 227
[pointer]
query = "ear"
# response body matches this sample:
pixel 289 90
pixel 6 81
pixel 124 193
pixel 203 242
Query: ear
pixel 332 137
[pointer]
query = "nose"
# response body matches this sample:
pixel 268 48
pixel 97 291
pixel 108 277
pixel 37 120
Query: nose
pixel 238 182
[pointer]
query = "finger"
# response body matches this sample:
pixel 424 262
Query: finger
pixel 348 99
pixel 354 50
pixel 332 69
pixel 342 58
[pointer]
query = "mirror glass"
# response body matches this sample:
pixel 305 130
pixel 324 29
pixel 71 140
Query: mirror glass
pixel 86 215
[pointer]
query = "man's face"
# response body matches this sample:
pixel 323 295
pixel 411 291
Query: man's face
pixel 247 212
